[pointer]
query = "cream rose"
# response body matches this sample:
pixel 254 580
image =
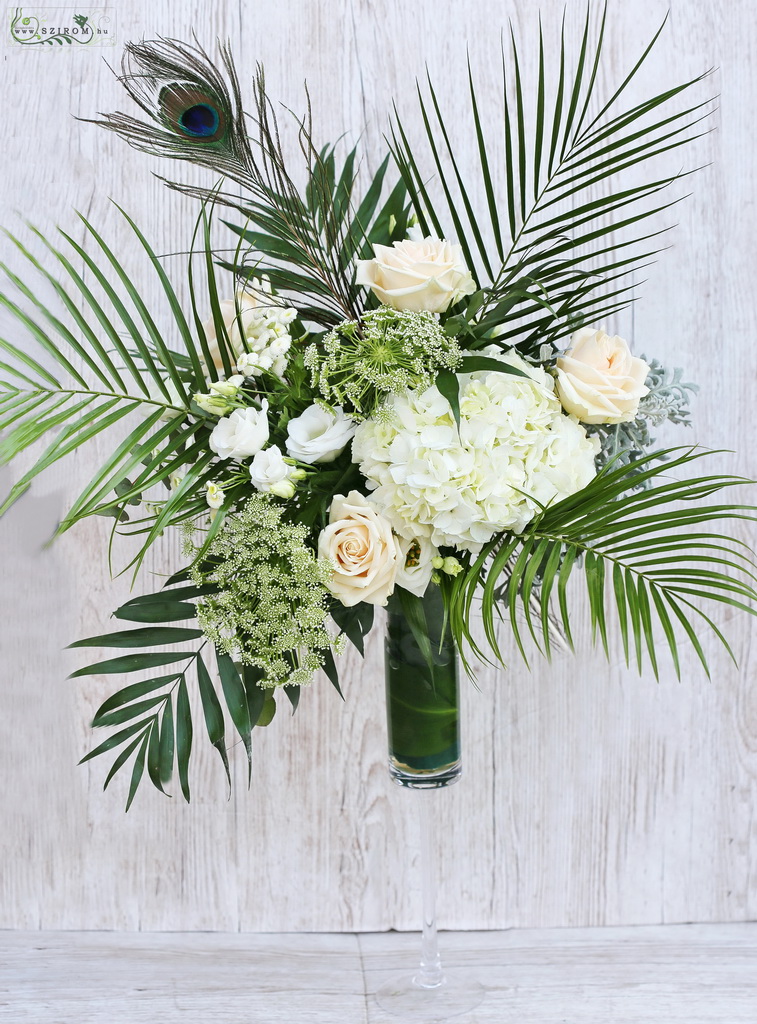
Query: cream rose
pixel 598 380
pixel 418 274
pixel 360 545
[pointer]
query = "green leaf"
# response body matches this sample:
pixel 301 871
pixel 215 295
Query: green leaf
pixel 211 707
pixel 449 387
pixel 137 770
pixel 236 700
pixel 269 710
pixel 132 692
pixel 155 636
pixel 183 736
pixel 167 742
pixel 132 663
pixel 156 611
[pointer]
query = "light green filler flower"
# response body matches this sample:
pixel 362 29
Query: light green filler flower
pixel 387 352
pixel 272 603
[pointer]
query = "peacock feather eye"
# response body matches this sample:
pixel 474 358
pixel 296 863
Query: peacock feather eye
pixel 192 112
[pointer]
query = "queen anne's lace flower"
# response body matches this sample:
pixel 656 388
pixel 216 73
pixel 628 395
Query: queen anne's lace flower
pixel 270 605
pixel 515 452
pixel 389 351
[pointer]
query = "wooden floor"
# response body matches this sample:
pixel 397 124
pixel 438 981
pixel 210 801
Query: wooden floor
pixel 687 974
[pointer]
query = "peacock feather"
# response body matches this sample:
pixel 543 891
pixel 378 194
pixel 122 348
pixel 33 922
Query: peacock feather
pixel 194 108
pixel 305 242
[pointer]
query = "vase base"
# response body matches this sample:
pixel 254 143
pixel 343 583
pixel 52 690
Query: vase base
pixel 424 778
pixel 415 1004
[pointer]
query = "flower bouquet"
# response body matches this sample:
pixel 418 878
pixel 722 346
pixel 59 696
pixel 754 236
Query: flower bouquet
pixel 398 391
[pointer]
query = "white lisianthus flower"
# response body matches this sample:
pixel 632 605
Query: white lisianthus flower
pixel 362 549
pixel 514 452
pixel 252 320
pixel 416 564
pixel 598 380
pixel 319 435
pixel 242 434
pixel 270 472
pixel 213 495
pixel 417 274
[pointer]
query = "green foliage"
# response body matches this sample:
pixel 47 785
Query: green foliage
pixel 75 390
pixel 552 216
pixel 667 401
pixel 643 553
pixel 153 716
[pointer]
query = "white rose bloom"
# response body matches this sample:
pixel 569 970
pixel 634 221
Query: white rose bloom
pixel 415 566
pixel 319 435
pixel 514 450
pixel 364 552
pixel 242 434
pixel 598 380
pixel 417 274
pixel 269 471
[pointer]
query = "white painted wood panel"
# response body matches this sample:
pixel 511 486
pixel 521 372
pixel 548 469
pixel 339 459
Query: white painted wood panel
pixel 695 974
pixel 590 796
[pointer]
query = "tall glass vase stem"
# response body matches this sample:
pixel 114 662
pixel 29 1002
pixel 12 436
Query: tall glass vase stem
pixel 430 974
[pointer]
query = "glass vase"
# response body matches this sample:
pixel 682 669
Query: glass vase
pixel 423 723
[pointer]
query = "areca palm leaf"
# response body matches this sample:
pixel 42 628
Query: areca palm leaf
pixel 548 221
pixel 640 563
pixel 99 361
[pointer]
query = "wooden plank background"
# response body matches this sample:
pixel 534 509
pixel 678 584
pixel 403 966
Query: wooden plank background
pixel 591 796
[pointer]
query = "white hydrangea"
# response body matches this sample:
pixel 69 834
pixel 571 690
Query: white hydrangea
pixel 515 452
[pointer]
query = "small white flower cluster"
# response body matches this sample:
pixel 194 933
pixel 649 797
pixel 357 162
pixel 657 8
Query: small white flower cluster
pixel 271 605
pixel 515 451
pixel 257 328
pixel 268 340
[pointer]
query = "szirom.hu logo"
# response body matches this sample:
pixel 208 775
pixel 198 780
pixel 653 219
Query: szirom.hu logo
pixel 54 27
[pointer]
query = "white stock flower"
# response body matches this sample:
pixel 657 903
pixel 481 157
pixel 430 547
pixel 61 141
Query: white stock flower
pixel 319 435
pixel 242 434
pixel 417 274
pixel 415 566
pixel 514 451
pixel 362 549
pixel 269 471
pixel 598 380
pixel 253 320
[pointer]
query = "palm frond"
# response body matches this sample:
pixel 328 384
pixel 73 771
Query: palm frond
pixel 558 201
pixel 647 555
pixel 123 367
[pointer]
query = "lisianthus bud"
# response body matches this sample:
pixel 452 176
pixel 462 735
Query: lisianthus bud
pixel 216 405
pixel 438 562
pixel 283 489
pixel 451 566
pixel 227 388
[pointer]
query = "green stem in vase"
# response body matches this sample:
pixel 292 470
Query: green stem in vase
pixel 422 710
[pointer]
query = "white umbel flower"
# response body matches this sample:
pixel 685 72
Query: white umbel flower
pixel 515 451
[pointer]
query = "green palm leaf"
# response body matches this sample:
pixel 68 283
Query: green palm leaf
pixel 644 556
pixel 102 360
pixel 558 200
